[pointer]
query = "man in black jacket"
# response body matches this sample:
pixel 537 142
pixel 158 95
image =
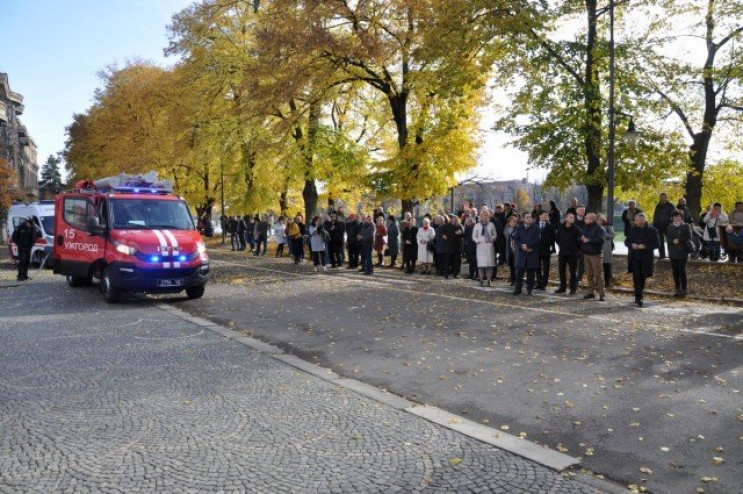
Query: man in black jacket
pixel 661 219
pixel 409 245
pixel 260 233
pixel 568 240
pixel 241 226
pixel 641 241
pixel 367 230
pixel 337 229
pixel 232 228
pixel 593 239
pixel 24 237
pixel 546 249
pixel 352 241
pixel 452 233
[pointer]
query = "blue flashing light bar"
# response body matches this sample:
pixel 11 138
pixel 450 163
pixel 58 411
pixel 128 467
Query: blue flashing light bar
pixel 154 259
pixel 182 258
pixel 139 190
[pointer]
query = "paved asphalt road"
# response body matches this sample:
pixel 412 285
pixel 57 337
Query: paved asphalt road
pixel 131 398
pixel 646 396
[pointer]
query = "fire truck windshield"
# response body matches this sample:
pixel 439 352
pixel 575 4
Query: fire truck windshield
pixel 127 214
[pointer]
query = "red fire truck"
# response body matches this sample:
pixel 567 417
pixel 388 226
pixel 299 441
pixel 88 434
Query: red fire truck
pixel 133 234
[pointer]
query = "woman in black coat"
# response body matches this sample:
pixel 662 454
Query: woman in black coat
pixel 409 246
pixel 452 234
pixel 678 234
pixel 642 241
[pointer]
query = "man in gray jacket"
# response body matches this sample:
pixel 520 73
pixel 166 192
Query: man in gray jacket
pixel 366 237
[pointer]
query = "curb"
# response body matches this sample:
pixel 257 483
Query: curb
pixel 531 451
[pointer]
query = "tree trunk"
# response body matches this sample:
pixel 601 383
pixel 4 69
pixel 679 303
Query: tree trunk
pixel 700 147
pixel 309 194
pixel 399 106
pixel 592 106
pixel 407 206
pixel 695 176
pixel 205 210
pixel 250 162
pixel 284 199
pixel 595 198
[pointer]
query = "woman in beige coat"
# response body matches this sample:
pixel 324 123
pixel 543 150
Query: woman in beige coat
pixel 426 236
pixel 484 235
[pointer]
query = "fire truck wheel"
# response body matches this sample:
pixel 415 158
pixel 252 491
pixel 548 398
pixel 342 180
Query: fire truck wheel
pixel 110 293
pixel 194 292
pixel 76 281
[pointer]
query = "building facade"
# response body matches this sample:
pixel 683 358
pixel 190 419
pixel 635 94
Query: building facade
pixel 16 145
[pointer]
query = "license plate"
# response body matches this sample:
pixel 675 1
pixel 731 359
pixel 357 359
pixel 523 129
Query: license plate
pixel 166 283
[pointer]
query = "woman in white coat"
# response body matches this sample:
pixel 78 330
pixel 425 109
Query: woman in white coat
pixel 425 237
pixel 484 235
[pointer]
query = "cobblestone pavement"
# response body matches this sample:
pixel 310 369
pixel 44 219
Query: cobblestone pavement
pixel 129 398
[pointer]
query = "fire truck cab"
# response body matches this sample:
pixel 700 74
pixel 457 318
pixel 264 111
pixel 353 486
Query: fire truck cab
pixel 133 234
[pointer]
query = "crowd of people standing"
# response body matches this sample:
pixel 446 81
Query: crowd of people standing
pixel 503 237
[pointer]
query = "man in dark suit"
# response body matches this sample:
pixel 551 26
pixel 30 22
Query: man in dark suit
pixel 546 249
pixel 526 239
pixel 568 239
pixel 641 241
pixel 354 245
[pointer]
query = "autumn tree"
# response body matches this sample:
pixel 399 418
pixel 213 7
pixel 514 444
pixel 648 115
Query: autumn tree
pixel 705 92
pixel 9 190
pixel 137 124
pixel 119 133
pixel 388 46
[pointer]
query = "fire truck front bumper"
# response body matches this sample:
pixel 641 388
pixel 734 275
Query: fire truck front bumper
pixel 133 278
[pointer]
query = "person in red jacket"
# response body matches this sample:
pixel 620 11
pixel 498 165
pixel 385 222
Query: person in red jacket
pixel 379 240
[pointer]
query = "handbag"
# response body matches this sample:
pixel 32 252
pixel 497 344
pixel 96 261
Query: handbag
pixel 690 247
pixel 431 247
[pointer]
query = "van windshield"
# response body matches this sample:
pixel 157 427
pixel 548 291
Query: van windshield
pixel 47 222
pixel 150 213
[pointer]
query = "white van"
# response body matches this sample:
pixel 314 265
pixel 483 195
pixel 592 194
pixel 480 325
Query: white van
pixel 42 214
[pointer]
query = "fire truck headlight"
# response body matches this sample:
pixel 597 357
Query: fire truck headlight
pixel 125 249
pixel 200 247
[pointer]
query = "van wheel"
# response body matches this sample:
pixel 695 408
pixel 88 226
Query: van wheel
pixel 76 281
pixel 110 293
pixel 195 292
